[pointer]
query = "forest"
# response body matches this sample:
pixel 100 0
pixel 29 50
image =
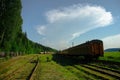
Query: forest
pixel 12 38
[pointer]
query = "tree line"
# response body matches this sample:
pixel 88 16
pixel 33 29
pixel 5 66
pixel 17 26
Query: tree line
pixel 12 39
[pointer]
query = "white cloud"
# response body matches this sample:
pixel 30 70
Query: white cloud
pixel 41 30
pixel 68 23
pixel 112 41
pixel 97 13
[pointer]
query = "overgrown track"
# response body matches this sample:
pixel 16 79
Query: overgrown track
pixel 89 72
pixel 113 70
pixel 79 73
pixel 107 62
pixel 96 72
pixel 109 65
pixel 102 70
pixel 97 69
pixel 33 70
pixel 10 75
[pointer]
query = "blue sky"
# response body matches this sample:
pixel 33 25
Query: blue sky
pixel 58 23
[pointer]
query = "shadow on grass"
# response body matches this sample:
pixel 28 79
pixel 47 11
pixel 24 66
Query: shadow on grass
pixel 70 60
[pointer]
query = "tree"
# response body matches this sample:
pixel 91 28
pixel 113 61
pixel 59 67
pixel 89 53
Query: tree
pixel 11 21
pixel 12 39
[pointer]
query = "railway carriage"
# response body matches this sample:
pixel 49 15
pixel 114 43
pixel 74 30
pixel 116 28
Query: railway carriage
pixel 90 49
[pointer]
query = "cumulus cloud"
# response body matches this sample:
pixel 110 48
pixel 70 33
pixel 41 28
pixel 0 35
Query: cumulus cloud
pixel 77 11
pixel 67 23
pixel 112 41
pixel 41 30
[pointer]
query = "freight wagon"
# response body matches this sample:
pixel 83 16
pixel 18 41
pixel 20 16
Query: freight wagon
pixel 90 49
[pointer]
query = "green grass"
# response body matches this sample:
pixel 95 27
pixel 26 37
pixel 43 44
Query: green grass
pixel 79 73
pixel 56 67
pixel 111 56
pixel 95 74
pixel 50 70
pixel 13 64
pixel 53 67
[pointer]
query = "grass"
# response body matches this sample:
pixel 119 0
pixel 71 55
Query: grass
pixel 79 73
pixel 95 73
pixel 54 67
pixel 13 64
pixel 23 72
pixel 111 56
pixel 50 70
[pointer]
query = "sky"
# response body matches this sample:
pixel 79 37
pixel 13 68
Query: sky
pixel 60 23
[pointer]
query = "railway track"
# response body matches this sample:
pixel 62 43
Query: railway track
pixel 7 64
pixel 101 69
pixel 94 74
pixel 107 62
pixel 112 74
pixel 79 73
pixel 97 71
pixel 30 77
pixel 106 68
pixel 88 74
pixel 17 70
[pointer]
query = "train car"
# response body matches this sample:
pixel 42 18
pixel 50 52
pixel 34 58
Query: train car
pixel 90 49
